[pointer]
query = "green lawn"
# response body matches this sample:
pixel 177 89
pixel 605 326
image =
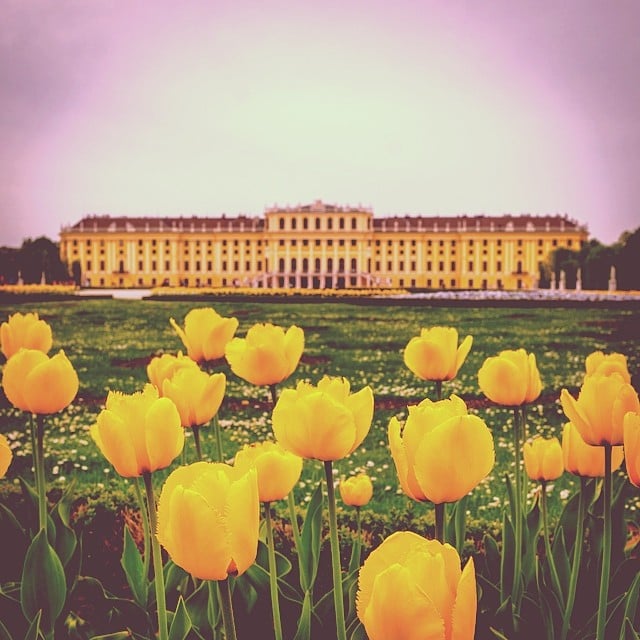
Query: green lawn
pixel 109 342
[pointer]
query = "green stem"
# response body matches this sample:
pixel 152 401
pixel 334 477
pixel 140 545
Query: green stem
pixel 438 390
pixel 158 575
pixel 145 527
pixel 606 547
pixel 338 599
pixel 523 439
pixel 304 579
pixel 273 390
pixel 227 609
pixel 577 558
pixel 517 525
pixel 41 482
pixel 218 432
pixel 440 518
pixel 196 440
pixel 273 574
pixel 547 543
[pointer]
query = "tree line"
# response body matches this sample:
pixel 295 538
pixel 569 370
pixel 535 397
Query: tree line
pixel 40 259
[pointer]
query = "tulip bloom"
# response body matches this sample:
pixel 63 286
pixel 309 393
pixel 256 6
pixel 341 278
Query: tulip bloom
pixel 412 588
pixel 599 364
pixel 326 422
pixel 443 452
pixel 208 519
pixel 267 355
pixel 278 470
pixel 34 382
pixel 435 354
pixel 163 368
pixel 5 455
pixel 600 408
pixel 583 459
pixel 206 333
pixel 196 394
pixel 25 331
pixel 138 433
pixel 510 378
pixel 356 491
pixel 543 459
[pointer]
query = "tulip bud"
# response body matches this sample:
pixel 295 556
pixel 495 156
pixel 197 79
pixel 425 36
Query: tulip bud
pixel 543 459
pixel 600 408
pixel 632 446
pixel 267 355
pixel 208 519
pixel 326 422
pixel 599 364
pixel 510 378
pixel 278 470
pixel 164 367
pixel 356 491
pixel 583 459
pixel 6 455
pixel 435 354
pixel 442 453
pixel 205 334
pixel 196 394
pixel 138 433
pixel 25 331
pixel 412 588
pixel 34 382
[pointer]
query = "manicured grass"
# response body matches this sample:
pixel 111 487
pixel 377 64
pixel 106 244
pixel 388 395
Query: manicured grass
pixel 109 342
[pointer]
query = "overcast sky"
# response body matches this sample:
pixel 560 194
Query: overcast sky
pixel 205 107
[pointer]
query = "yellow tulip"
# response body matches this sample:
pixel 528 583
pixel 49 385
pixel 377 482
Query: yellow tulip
pixel 278 470
pixel 510 378
pixel 543 459
pixel 411 588
pixel 25 331
pixel 163 367
pixel 435 354
pixel 5 456
pixel 196 394
pixel 599 364
pixel 583 459
pixel 356 491
pixel 208 519
pixel 34 382
pixel 632 446
pixel 206 333
pixel 599 410
pixel 443 452
pixel 267 355
pixel 138 433
pixel 326 422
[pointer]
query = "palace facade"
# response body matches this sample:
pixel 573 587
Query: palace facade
pixel 318 246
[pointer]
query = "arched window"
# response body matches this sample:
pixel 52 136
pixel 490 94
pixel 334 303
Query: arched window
pixel 281 265
pixel 318 267
pixel 305 264
pixel 294 223
pixel 281 223
pixel 317 224
pixel 341 265
pixel 305 223
pixel 354 265
pixel 329 264
pixel 354 223
pixel 341 223
pixel 294 265
pixel 329 223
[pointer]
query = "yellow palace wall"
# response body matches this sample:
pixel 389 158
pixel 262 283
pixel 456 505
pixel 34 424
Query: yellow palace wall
pixel 317 246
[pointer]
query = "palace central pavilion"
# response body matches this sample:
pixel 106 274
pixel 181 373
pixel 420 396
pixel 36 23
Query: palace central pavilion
pixel 318 246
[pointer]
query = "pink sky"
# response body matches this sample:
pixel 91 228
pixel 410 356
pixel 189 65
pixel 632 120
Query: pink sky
pixel 205 107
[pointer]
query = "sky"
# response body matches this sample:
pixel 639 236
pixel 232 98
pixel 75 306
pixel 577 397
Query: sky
pixel 428 107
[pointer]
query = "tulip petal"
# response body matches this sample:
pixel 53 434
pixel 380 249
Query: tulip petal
pixel 164 441
pixel 243 520
pixel 15 373
pixel 361 406
pixel 51 385
pixel 112 436
pixel 632 446
pixel 465 608
pixel 405 471
pixel 573 410
pixel 461 355
pixel 502 382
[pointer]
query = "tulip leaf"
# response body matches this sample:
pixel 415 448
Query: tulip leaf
pixel 543 604
pixel 356 554
pixel 197 605
pixel 460 523
pixel 358 633
pixel 511 496
pixel 65 538
pixel 311 537
pixel 181 623
pixel 563 564
pixel 133 566
pixel 491 557
pixel 175 578
pixel 631 599
pixel 507 559
pixel 247 592
pixel 303 631
pixel 43 587
pixel 283 565
pixel 214 612
pixel 118 635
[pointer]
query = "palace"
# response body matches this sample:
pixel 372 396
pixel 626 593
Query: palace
pixel 318 246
